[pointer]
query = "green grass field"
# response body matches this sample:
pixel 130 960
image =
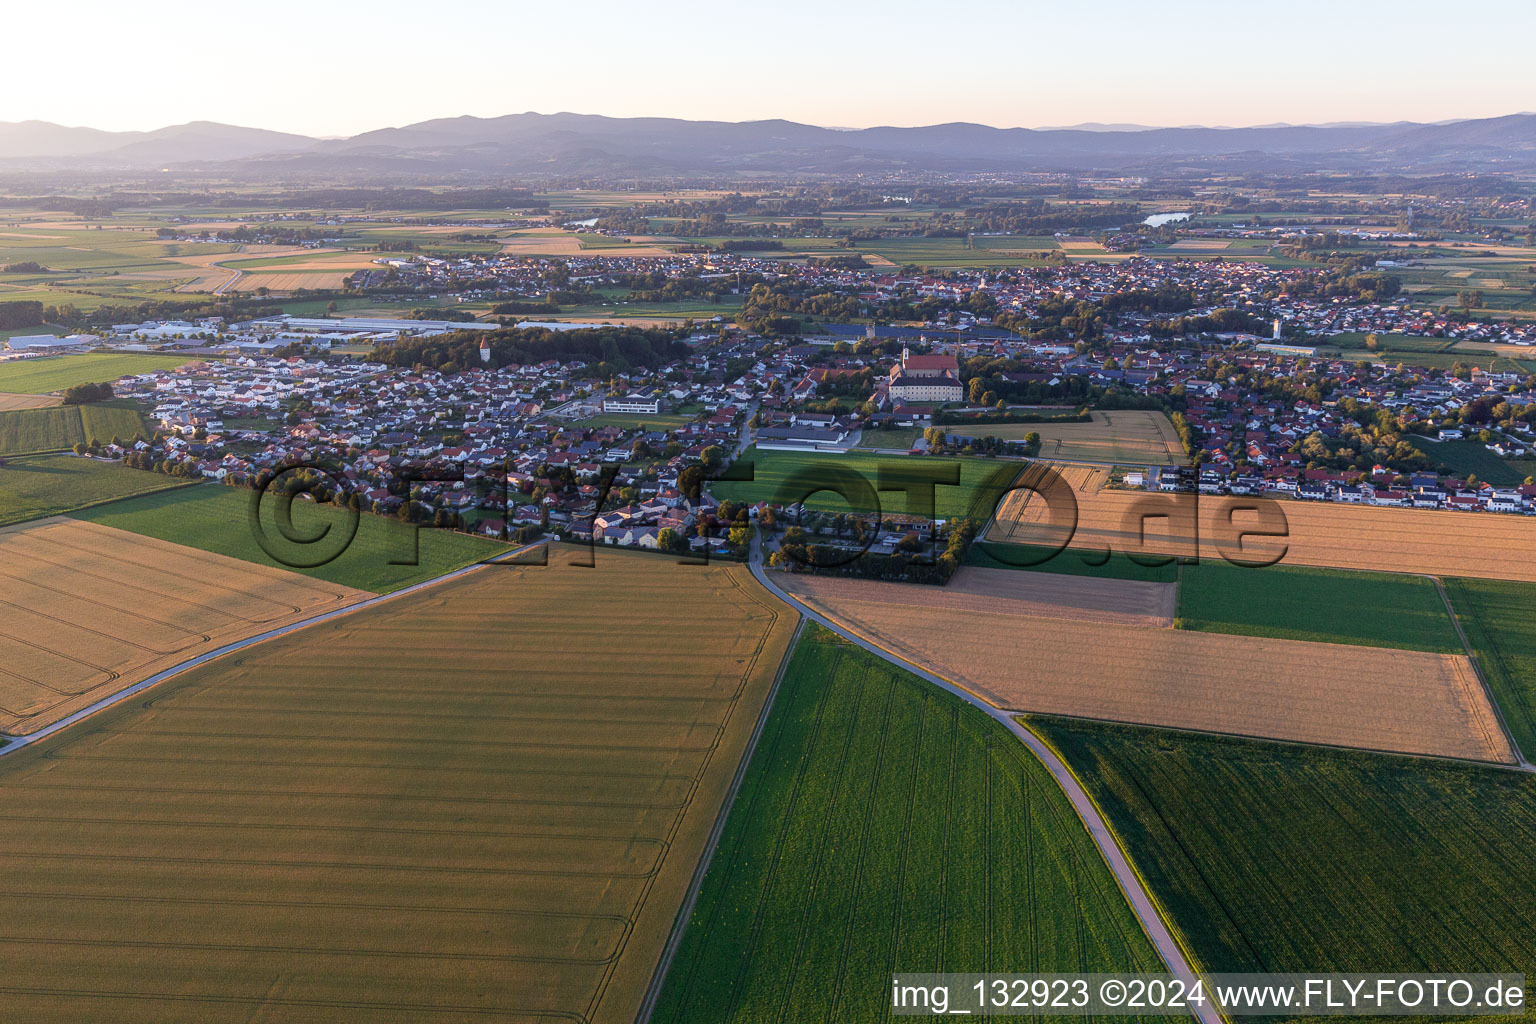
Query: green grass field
pixel 217 518
pixel 55 373
pixel 1070 562
pixel 1335 606
pixel 659 421
pixel 785 476
pixel 1499 618
pixel 884 825
pixel 1464 457
pixel 1353 340
pixel 1271 857
pixel 24 431
pixel 48 485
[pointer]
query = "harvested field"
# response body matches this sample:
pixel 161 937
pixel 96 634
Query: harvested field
pixel 554 242
pixel 1197 245
pixel 1366 697
pixel 10 402
pixel 1432 541
pixel 86 611
pixel 1080 245
pixel 1124 436
pixel 1046 595
pixel 212 277
pixel 483 801
pixel 291 281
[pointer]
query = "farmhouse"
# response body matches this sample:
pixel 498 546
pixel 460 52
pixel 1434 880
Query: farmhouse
pixel 931 378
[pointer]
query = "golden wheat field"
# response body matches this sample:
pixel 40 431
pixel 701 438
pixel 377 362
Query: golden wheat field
pixel 10 402
pixel 481 801
pixel 1086 665
pixel 1429 541
pixel 86 610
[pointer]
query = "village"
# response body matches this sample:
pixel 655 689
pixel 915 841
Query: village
pixel 1237 352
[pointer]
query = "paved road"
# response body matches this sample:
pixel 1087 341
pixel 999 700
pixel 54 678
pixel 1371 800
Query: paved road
pixel 235 274
pixel 15 743
pixel 1130 884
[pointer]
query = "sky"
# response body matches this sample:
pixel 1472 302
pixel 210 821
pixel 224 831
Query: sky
pixel 318 67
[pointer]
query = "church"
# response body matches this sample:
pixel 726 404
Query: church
pixel 930 378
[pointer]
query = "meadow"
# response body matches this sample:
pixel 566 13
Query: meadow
pixel 1068 561
pixel 786 476
pixel 1371 609
pixel 52 429
pixel 1499 618
pixel 1124 436
pixel 884 825
pixel 55 373
pixel 431 807
pixel 1279 858
pixel 217 518
pixel 48 485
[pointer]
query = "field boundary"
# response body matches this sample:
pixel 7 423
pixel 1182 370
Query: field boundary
pixel 685 910
pixel 1477 669
pixel 15 743
pixel 1189 954
pixel 1140 901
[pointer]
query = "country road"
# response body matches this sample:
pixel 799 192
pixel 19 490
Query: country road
pixel 15 743
pixel 1130 883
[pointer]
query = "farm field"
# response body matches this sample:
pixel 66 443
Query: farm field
pixel 1464 457
pixel 216 518
pixel 1499 618
pixel 10 402
pixel 54 428
pixel 1123 436
pixel 55 373
pixel 431 804
pixel 89 611
pixel 1371 609
pixel 981 480
pixel 885 825
pixel 1325 534
pixel 1276 858
pixel 47 485
pixel 1068 562
pixel 1090 666
pixel 950 252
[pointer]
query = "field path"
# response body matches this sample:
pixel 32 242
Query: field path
pixel 15 743
pixel 1477 669
pixel 1130 883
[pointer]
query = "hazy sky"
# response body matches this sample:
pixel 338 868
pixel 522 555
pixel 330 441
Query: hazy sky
pixel 325 68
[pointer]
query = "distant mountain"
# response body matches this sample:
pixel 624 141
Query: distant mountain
pixel 534 144
pixel 40 141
